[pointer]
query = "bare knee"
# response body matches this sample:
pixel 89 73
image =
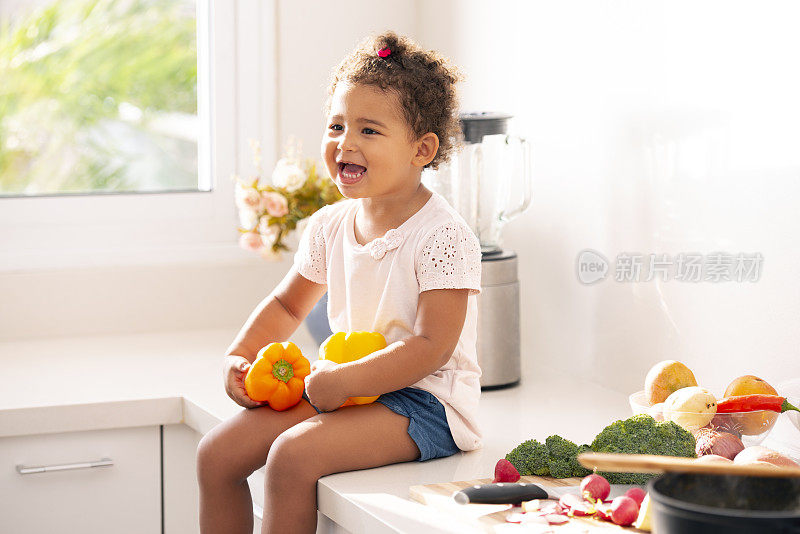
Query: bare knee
pixel 288 460
pixel 218 458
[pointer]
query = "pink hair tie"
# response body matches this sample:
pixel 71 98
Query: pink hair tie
pixel 384 52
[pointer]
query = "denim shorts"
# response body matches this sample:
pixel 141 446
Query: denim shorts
pixel 427 422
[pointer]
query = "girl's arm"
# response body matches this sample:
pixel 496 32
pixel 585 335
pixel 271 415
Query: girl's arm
pixel 278 315
pixel 440 318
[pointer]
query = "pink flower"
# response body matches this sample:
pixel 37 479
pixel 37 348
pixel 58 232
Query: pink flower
pixel 250 241
pixel 247 197
pixel 275 204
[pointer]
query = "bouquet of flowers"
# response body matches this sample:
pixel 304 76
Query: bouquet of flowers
pixel 269 212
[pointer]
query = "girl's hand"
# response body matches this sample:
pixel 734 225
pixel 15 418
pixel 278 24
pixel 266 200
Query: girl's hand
pixel 323 387
pixel 234 370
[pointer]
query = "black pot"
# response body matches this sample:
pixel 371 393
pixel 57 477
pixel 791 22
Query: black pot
pixel 687 503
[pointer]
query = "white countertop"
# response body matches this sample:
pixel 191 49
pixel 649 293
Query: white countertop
pixel 72 384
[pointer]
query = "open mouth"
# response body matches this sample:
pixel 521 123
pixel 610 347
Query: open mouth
pixel 350 172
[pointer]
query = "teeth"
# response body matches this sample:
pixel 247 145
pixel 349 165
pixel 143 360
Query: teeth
pixel 349 175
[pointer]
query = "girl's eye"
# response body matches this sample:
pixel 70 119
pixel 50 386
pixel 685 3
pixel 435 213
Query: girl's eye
pixel 338 128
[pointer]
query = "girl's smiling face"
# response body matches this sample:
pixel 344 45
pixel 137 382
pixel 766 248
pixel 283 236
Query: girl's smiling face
pixel 366 129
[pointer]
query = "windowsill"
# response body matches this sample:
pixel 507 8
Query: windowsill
pixel 179 292
pixel 41 260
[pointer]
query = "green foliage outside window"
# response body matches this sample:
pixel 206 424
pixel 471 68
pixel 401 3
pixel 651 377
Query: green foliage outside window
pixel 86 89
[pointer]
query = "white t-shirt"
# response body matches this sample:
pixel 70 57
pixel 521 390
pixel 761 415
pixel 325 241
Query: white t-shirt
pixel 375 287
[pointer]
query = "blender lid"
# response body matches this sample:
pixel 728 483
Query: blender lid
pixel 477 124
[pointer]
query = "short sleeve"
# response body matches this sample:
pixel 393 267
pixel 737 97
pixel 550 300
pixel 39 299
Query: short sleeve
pixel 450 258
pixel 309 260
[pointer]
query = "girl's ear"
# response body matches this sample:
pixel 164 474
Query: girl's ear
pixel 427 146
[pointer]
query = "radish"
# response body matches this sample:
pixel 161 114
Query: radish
pixel 555 519
pixel 595 487
pixel 505 471
pixel 603 511
pixel 624 511
pixel 637 494
pixel 575 505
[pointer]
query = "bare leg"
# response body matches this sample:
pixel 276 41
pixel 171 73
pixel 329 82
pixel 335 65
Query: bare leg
pixel 228 454
pixel 356 437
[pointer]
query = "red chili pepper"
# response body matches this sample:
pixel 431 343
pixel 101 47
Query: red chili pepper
pixel 749 403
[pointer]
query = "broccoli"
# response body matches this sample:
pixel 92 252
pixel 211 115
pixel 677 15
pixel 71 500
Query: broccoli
pixel 529 458
pixel 562 457
pixel 641 434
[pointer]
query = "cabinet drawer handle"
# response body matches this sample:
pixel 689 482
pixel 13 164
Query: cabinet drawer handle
pixel 22 470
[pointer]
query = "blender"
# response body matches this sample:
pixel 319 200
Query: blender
pixel 488 181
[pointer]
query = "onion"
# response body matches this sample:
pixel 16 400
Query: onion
pixel 726 422
pixel 710 441
pixel 757 453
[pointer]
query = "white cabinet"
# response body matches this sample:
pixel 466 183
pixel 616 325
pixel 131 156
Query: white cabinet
pixel 181 494
pixel 124 497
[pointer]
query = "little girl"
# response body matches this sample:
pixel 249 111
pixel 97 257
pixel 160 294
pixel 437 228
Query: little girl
pixel 395 258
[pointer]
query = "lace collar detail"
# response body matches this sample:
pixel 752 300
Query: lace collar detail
pixel 377 248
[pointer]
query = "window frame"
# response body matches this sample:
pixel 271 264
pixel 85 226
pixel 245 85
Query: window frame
pixel 236 102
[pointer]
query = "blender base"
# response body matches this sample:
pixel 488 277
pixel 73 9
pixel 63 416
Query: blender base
pixel 498 341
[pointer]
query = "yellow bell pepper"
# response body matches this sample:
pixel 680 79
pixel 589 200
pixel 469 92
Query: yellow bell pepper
pixel 276 376
pixel 343 347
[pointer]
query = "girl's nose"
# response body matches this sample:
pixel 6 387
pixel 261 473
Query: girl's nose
pixel 347 141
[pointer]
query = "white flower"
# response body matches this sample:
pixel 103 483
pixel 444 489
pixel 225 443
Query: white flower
pixel 289 175
pixel 247 218
pixel 268 232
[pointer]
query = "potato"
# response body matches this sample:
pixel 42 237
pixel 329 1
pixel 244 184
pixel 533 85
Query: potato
pixel 692 407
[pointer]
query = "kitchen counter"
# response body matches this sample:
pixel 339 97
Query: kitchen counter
pixel 73 384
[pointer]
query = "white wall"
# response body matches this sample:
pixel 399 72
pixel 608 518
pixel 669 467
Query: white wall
pixel 314 36
pixel 657 128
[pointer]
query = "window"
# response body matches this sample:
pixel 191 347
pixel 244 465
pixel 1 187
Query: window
pixel 99 96
pixel 186 215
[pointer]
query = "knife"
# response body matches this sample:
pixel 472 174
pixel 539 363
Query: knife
pixel 517 492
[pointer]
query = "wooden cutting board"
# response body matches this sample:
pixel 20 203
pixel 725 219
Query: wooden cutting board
pixel 485 517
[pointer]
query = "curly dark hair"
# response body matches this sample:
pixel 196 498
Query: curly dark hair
pixel 424 81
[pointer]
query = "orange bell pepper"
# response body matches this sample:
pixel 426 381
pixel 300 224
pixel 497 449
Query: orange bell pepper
pixel 276 376
pixel 344 347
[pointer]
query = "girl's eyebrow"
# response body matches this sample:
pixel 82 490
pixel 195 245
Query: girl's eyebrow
pixel 362 119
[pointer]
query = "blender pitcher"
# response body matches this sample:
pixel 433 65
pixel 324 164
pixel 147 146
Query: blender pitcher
pixel 490 179
pixel 489 182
